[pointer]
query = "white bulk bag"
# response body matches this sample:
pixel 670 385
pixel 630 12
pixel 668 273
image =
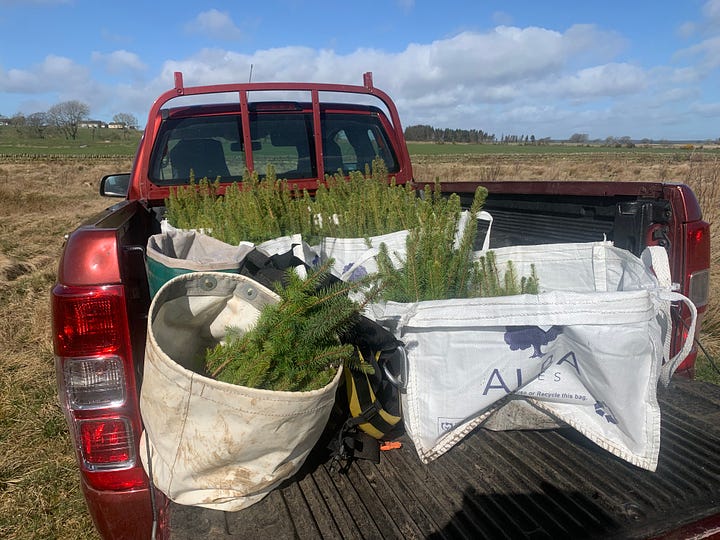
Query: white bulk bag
pixel 295 245
pixel 588 351
pixel 214 444
pixel 356 257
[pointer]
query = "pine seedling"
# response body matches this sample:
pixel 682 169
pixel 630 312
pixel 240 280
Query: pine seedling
pixel 366 205
pixel 460 269
pixel 190 207
pixel 489 282
pixel 257 209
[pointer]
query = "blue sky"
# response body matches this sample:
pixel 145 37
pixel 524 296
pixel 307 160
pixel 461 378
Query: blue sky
pixel 643 69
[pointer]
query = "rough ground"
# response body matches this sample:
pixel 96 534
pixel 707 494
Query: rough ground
pixel 43 199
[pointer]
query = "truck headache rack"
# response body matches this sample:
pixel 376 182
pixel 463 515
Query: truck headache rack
pixel 241 97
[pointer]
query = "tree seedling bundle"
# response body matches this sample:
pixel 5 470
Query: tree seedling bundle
pixel 296 344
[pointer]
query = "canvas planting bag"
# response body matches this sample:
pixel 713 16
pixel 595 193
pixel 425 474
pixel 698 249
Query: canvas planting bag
pixel 178 251
pixel 588 351
pixel 175 251
pixel 214 444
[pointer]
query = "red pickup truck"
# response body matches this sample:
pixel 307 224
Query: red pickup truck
pixel 534 484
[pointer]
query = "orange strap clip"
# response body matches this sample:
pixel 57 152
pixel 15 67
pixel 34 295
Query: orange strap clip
pixel 390 445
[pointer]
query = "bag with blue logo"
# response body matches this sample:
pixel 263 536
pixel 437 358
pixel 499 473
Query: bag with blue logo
pixel 587 352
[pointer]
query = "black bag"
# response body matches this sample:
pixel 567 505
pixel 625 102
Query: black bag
pixel 372 387
pixel 372 384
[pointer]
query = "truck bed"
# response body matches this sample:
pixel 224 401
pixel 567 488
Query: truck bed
pixel 520 484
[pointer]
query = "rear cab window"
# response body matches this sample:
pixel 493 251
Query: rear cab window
pixel 352 141
pixel 191 144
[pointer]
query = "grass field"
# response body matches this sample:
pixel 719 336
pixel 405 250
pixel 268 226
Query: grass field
pixel 42 198
pixel 557 149
pixel 89 142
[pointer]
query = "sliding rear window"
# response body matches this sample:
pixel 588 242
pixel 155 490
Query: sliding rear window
pixel 352 141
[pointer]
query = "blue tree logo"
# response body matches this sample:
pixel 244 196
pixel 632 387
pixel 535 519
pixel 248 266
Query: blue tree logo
pixel 357 274
pixel 525 337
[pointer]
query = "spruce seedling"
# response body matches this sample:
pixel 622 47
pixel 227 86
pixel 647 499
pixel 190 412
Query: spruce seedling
pixel 439 266
pixel 295 344
pixel 258 209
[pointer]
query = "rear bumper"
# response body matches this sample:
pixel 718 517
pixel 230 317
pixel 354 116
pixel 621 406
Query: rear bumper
pixel 120 514
pixel 706 528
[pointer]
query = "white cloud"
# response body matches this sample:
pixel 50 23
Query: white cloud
pixel 708 24
pixel 687 29
pixel 529 70
pixel 606 80
pixel 55 73
pixel 711 11
pixel 675 96
pixel 508 79
pixel 54 80
pixel 707 109
pixel 215 24
pixel 120 61
pixel 502 18
pixel 708 51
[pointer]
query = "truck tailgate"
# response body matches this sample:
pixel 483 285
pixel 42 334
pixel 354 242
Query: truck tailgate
pixel 521 484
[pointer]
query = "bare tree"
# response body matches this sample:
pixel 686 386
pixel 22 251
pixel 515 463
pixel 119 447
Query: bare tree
pixel 18 120
pixel 66 116
pixel 127 119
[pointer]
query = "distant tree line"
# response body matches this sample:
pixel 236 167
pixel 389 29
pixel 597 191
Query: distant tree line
pixel 64 118
pixel 425 133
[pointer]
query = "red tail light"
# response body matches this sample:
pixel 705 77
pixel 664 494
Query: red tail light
pixel 106 443
pixel 96 383
pixel 696 286
pixel 86 321
pixel 697 263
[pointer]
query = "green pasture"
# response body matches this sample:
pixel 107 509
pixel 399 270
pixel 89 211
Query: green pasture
pixel 103 141
pixel 89 142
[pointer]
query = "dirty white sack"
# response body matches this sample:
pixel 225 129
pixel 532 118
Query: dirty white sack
pixel 214 444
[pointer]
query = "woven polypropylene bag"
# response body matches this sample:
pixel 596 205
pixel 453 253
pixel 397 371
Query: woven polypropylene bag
pixel 587 352
pixel 354 258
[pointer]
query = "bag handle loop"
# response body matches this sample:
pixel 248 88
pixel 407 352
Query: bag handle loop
pixel 671 365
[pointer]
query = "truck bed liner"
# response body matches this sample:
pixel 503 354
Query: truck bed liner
pixel 521 484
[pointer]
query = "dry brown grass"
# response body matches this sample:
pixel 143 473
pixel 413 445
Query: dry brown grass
pixel 41 200
pixel 665 167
